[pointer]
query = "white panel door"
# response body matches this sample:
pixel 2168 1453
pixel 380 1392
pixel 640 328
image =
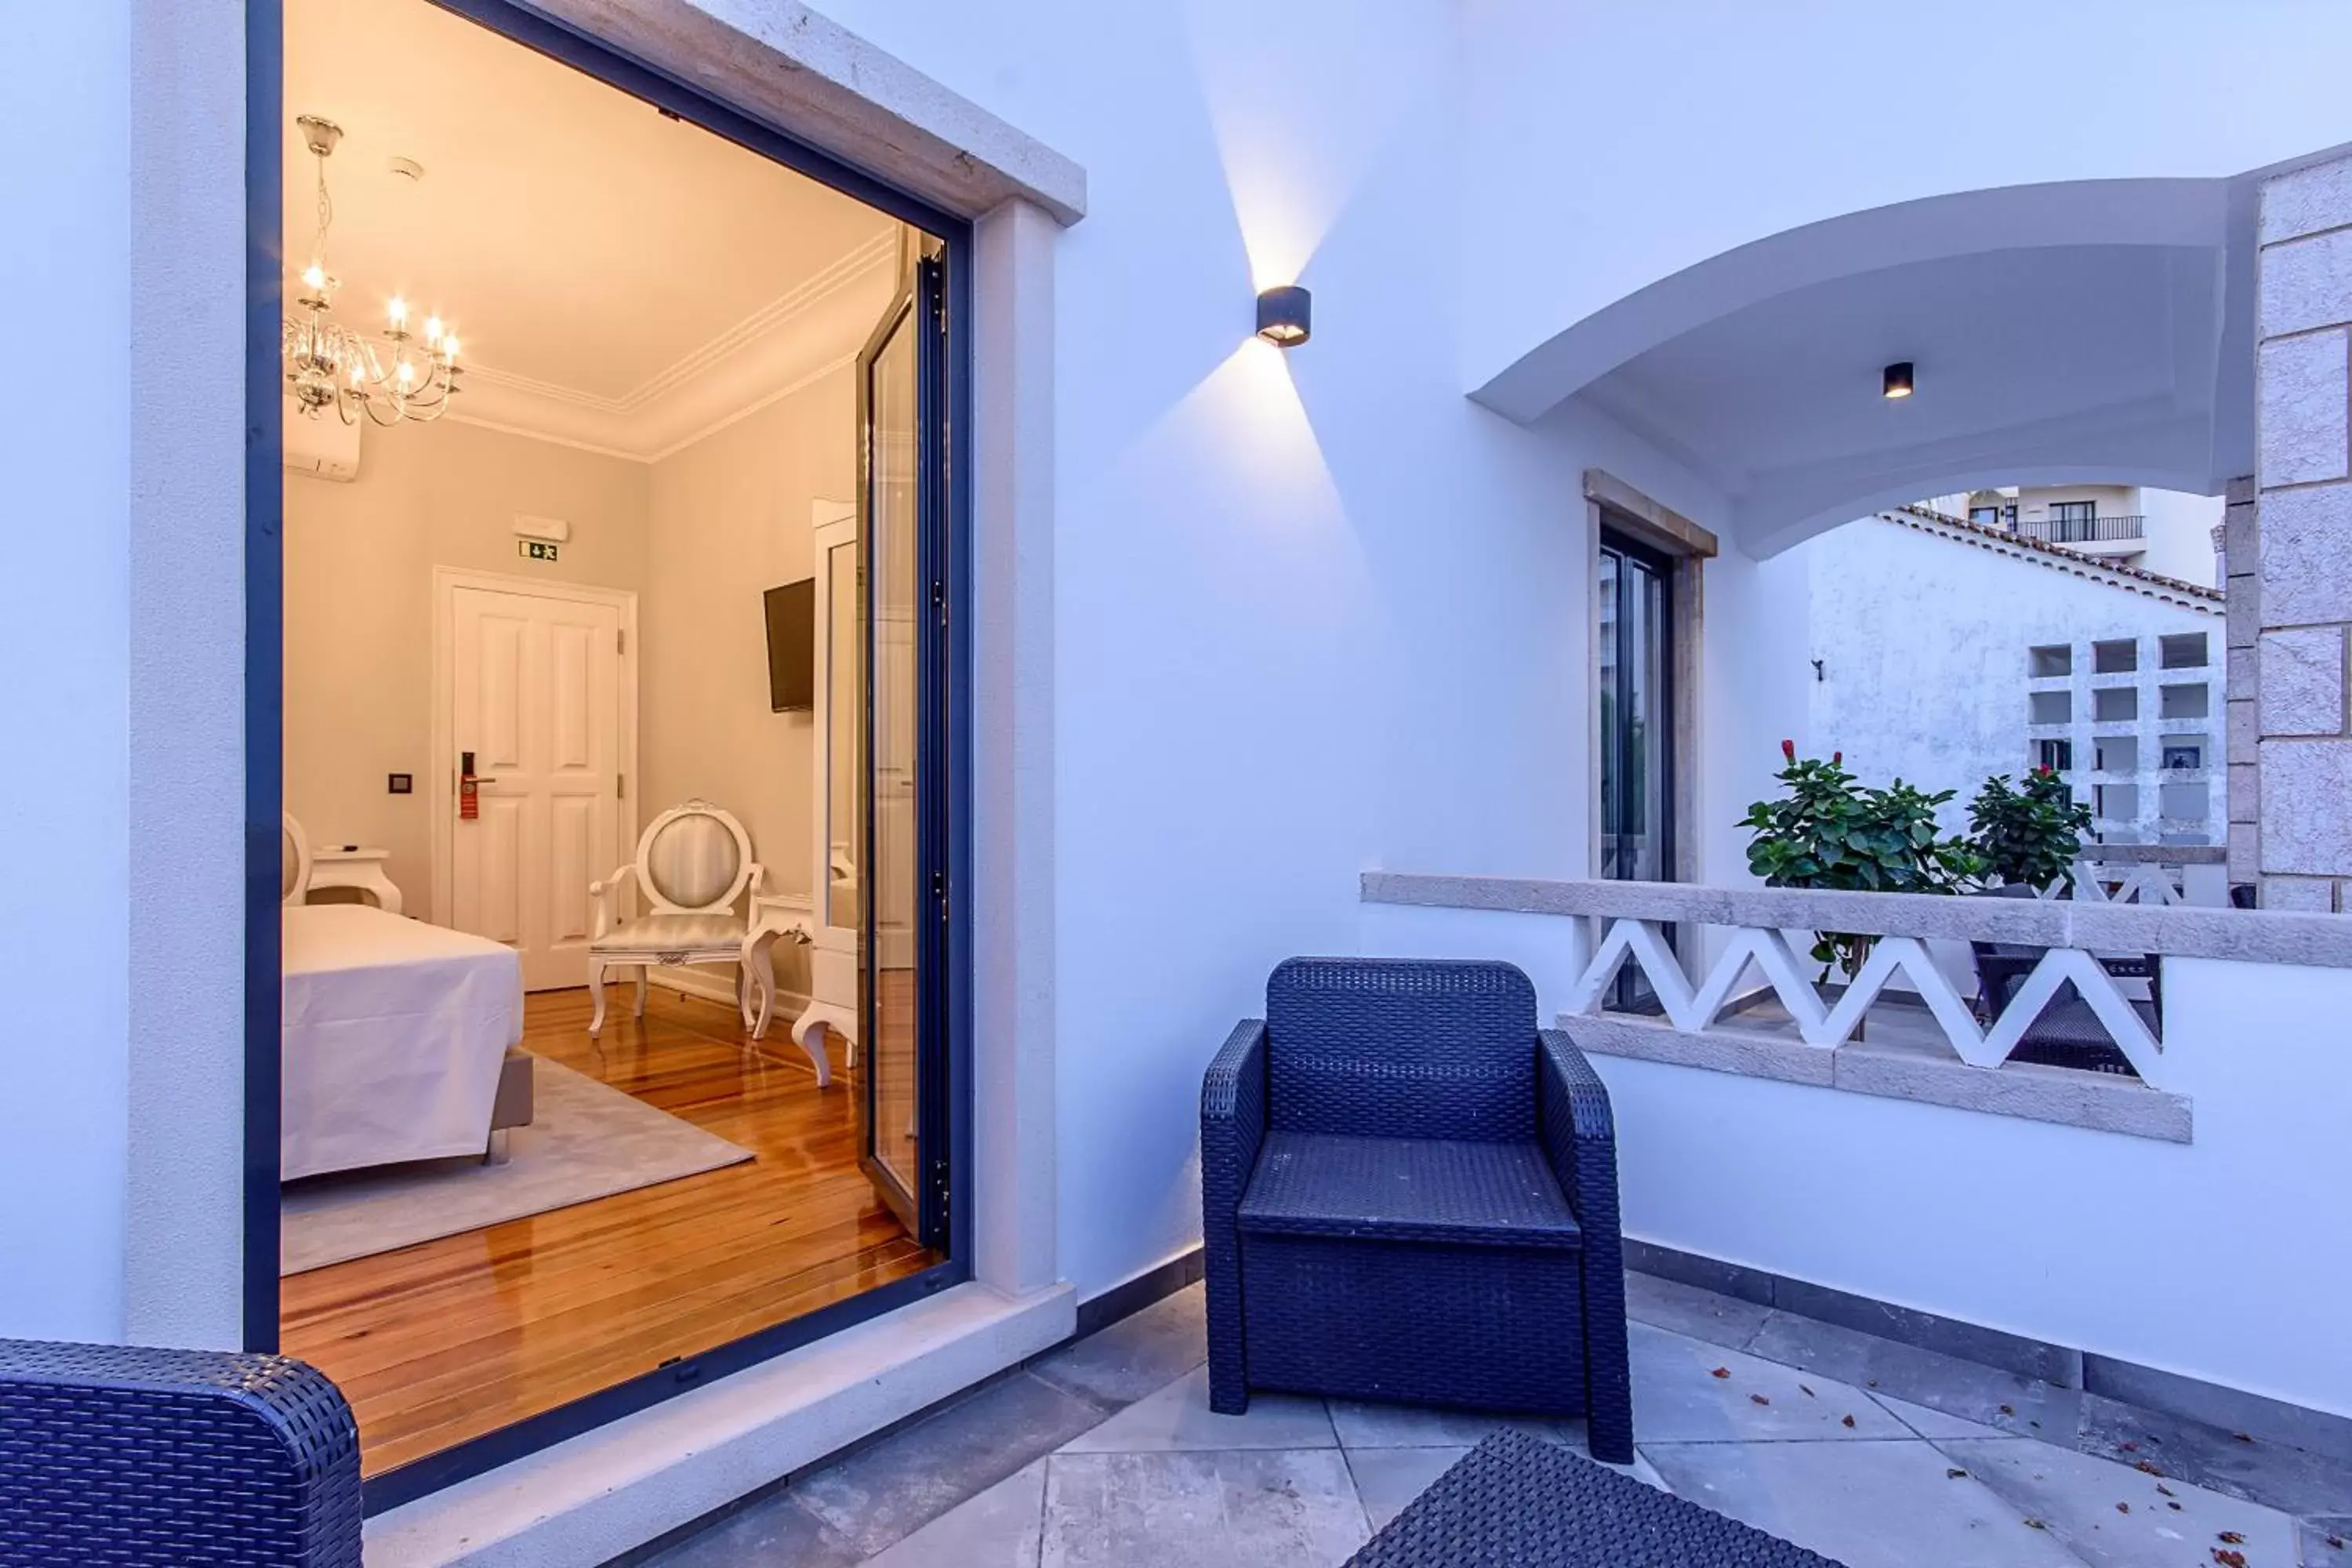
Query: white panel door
pixel 538 703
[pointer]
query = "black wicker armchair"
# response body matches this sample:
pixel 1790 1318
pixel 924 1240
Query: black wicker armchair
pixel 1410 1194
pixel 168 1459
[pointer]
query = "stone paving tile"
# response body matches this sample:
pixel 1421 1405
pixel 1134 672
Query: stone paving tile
pixel 2326 1540
pixel 880 1494
pixel 1935 1424
pixel 1179 1417
pixel 1000 1528
pixel 1956 1388
pixel 2114 1517
pixel 1388 1479
pixel 1687 1309
pixel 1366 1426
pixel 1873 1504
pixel 2285 1478
pixel 1252 1509
pixel 1138 1356
pixel 1677 1398
pixel 775 1532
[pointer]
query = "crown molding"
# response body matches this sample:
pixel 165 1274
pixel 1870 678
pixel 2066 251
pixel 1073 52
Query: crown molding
pixel 794 340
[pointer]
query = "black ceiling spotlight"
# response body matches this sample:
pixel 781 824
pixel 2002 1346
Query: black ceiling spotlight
pixel 1285 316
pixel 1897 383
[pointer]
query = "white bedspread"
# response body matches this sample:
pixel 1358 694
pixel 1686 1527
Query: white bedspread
pixel 393 1033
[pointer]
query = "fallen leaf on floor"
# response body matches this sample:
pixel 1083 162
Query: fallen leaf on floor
pixel 2009 1410
pixel 1720 1372
pixel 1847 1421
pixel 1954 1474
pixel 1759 1399
pixel 2229 1559
pixel 2144 1467
pixel 2173 1506
pixel 2122 1508
pixel 2165 1489
pixel 2128 1448
pixel 2231 1538
pixel 2035 1524
pixel 2241 1438
pixel 1873 1383
pixel 1806 1392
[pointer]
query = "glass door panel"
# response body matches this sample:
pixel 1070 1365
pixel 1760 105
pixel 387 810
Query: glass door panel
pixel 1636 739
pixel 901 377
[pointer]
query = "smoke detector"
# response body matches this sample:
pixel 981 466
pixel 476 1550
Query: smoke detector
pixel 408 169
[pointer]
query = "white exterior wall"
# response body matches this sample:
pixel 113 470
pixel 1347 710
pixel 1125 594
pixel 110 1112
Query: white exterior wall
pixel 1923 642
pixel 1612 146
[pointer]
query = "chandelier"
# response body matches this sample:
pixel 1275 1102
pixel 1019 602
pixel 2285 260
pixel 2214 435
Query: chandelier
pixel 327 365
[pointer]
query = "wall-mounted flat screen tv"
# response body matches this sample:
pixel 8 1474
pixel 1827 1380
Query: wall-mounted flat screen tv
pixel 792 645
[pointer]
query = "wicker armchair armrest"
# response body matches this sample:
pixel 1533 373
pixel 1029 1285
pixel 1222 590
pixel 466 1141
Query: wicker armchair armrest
pixel 1233 1119
pixel 1232 1126
pixel 1579 1138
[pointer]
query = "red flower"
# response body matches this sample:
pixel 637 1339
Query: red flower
pixel 1837 759
pixel 1789 750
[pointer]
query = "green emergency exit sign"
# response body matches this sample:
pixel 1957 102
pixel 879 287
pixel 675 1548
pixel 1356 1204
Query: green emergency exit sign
pixel 534 550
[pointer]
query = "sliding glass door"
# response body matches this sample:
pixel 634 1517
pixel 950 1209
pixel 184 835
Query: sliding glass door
pixel 1637 759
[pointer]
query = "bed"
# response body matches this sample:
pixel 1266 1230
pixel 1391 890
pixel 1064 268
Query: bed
pixel 396 1035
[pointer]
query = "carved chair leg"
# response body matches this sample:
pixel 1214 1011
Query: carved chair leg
pixel 596 988
pixel 643 972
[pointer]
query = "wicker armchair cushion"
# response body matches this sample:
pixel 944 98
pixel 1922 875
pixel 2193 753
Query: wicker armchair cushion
pixel 1407 1189
pixel 1402 1049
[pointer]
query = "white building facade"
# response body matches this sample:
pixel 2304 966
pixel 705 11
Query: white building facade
pixel 1244 623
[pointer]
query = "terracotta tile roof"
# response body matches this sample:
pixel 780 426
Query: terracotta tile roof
pixel 2001 541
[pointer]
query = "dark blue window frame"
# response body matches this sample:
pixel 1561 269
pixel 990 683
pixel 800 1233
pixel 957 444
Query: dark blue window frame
pixel 946 779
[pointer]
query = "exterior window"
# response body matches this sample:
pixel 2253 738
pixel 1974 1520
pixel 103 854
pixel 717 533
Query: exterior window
pixel 2184 756
pixel 2058 756
pixel 1985 516
pixel 2074 511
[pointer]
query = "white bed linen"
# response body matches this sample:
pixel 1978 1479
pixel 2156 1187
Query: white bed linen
pixel 393 1034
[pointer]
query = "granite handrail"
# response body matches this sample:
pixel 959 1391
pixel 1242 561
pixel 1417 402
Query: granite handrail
pixel 2253 936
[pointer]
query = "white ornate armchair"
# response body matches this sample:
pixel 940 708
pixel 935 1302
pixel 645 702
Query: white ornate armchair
pixel 293 861
pixel 693 862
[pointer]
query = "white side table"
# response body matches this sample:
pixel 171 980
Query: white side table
pixel 340 866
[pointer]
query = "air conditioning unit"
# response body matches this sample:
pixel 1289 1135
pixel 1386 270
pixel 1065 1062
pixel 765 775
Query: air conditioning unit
pixel 320 444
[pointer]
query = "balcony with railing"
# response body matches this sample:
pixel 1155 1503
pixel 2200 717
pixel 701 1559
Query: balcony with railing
pixel 2098 535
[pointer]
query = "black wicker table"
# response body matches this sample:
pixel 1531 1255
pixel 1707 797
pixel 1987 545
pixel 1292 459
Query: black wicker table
pixel 1520 1502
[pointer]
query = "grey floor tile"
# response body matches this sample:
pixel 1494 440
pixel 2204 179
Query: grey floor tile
pixel 1678 1398
pixel 1000 1528
pixel 1956 1388
pixel 1388 1479
pixel 1935 1424
pixel 1687 1309
pixel 1179 1417
pixel 1138 1355
pixel 1365 1426
pixel 883 1493
pixel 1883 1504
pixel 1252 1508
pixel 776 1533
pixel 2114 1517
pixel 2327 1541
pixel 2285 1478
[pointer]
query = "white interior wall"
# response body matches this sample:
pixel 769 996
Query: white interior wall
pixel 729 519
pixel 359 607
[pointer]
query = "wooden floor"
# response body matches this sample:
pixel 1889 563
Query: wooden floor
pixel 443 1341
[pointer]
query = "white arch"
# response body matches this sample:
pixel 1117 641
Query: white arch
pixel 2193 213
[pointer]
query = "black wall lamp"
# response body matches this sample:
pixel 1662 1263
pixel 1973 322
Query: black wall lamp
pixel 1286 316
pixel 1897 381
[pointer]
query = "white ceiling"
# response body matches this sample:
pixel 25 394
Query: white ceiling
pixel 620 279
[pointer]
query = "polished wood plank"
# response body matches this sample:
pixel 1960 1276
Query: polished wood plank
pixel 443 1341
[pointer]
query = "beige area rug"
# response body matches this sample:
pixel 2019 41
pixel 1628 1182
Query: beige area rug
pixel 587 1140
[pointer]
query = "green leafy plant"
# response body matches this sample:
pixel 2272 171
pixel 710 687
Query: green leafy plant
pixel 2030 835
pixel 1827 831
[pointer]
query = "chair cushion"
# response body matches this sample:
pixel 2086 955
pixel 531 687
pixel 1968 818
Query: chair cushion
pixel 673 933
pixel 1407 1189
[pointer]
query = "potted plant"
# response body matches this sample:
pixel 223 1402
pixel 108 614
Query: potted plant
pixel 1827 831
pixel 2029 836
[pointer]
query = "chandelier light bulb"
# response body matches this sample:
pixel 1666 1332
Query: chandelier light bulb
pixel 449 345
pixel 406 373
pixel 314 276
pixel 432 329
pixel 398 311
